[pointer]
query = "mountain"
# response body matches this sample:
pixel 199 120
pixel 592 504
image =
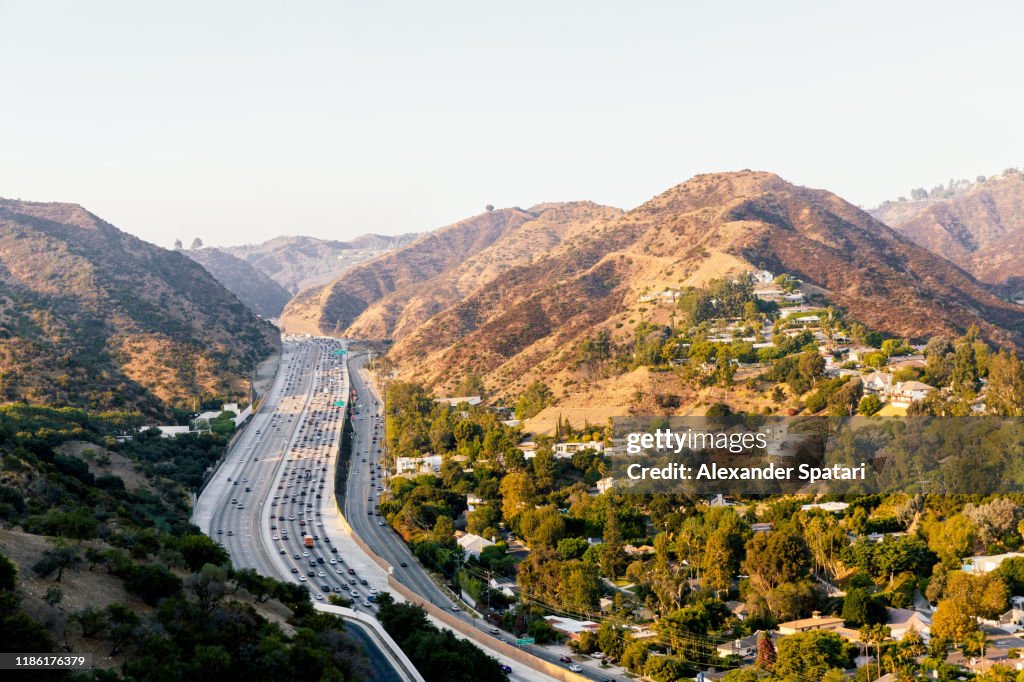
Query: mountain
pixel 394 294
pixel 297 263
pixel 93 317
pixel 980 229
pixel 527 322
pixel 257 291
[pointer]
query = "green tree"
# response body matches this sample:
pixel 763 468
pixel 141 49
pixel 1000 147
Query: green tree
pixel 809 655
pixel 869 405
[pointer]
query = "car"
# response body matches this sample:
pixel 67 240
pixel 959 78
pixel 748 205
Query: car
pixel 404 565
pixel 220 531
pixel 506 669
pixel 494 631
pixel 302 578
pixel 575 668
pixel 283 552
pixel 455 607
pixel 294 570
pixel 298 556
pixel 598 655
pixel 565 659
pixel 354 593
pixel 366 603
pixel 380 523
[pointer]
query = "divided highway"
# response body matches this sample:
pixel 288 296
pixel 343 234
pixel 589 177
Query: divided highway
pixel 273 496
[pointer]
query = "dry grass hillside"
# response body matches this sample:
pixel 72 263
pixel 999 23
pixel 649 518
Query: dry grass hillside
pixel 527 323
pixel 981 229
pixel 405 287
pixel 256 290
pixel 96 318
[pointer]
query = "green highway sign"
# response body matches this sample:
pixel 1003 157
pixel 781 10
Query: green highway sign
pixel 525 640
pixel 340 352
pixel 339 403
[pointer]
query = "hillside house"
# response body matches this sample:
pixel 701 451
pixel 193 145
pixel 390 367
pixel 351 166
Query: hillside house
pixel 987 563
pixel 567 450
pixel 429 464
pixel 570 627
pixel 815 622
pixel 473 544
pixel 902 621
pixel 744 647
pixel 906 392
pixel 470 400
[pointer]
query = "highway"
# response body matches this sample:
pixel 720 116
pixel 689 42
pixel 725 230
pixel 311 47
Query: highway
pixel 276 485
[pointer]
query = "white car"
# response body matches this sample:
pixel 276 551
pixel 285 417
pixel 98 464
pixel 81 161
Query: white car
pixel 575 668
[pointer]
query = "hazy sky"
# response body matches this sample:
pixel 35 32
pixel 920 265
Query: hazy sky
pixel 241 121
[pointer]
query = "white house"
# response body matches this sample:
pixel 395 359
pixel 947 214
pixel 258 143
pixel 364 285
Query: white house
pixel 902 621
pixel 567 450
pixel 987 563
pixel 906 392
pixel 473 544
pixel 470 400
pixel 605 485
pixel 834 507
pixel 430 464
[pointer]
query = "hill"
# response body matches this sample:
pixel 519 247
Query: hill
pixel 398 291
pixel 256 290
pixel 297 263
pixel 91 316
pixel 530 322
pixel 980 228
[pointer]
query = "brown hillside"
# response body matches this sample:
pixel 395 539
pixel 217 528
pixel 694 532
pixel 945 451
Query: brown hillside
pixel 395 293
pixel 982 229
pixel 96 318
pixel 526 324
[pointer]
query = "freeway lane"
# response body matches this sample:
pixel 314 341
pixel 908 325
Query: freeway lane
pixel 364 482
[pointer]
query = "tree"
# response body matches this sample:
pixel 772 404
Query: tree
pixel 875 634
pixel 861 608
pixel 177 245
pixel 612 557
pixel 964 378
pixel 1005 393
pixel 766 654
pixel 517 495
pixel 809 655
pixel 489 207
pixel 535 398
pixel 776 558
pixel 58 558
pixel 869 405
pixel 952 621
pixel 197 243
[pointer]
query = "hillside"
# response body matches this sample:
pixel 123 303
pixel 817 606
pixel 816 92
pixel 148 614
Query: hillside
pixel 91 316
pixel 980 229
pixel 404 288
pixel 256 290
pixel 528 323
pixel 297 263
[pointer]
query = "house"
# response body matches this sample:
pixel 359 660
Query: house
pixel 762 277
pixel 860 353
pixel 570 627
pixel 470 400
pixel 772 293
pixel 169 431
pixel 738 609
pixel 987 563
pixel 877 383
pixel 744 647
pixel 429 464
pixel 633 550
pixel 902 621
pixel 764 527
pixel 473 544
pixel 474 501
pixel 528 448
pixel 834 507
pixel 906 392
pixel 605 485
pixel 567 450
pixel 815 622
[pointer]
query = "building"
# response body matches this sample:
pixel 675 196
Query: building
pixel 906 392
pixel 473 544
pixel 987 563
pixel 834 507
pixel 429 464
pixel 605 485
pixel 902 621
pixel 169 431
pixel 815 622
pixel 470 400
pixel 570 627
pixel 567 450
pixel 744 647
pixel 474 501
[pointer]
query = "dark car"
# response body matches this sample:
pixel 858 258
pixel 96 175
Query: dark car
pixel 404 565
pixel 565 659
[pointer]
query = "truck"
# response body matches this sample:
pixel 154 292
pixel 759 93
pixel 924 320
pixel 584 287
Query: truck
pixel 307 540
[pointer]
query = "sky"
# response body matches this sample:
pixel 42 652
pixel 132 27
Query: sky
pixel 238 122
